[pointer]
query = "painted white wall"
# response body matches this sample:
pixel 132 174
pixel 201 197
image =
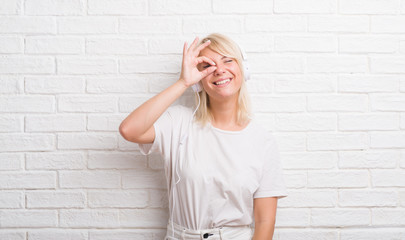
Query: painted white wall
pixel 328 78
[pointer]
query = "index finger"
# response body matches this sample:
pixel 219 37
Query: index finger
pixel 202 46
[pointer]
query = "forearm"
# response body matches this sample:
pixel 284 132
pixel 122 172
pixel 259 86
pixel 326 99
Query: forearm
pixel 263 230
pixel 142 118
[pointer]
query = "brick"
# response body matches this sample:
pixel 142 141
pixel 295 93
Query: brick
pixel 60 234
pixel 55 123
pixel 55 160
pixel 312 198
pixel 11 123
pixel 386 216
pixel 144 178
pixel 355 24
pixel 34 180
pixel 143 218
pixel 56 199
pixel 178 7
pixel 54 45
pixel 29 219
pixel 87 65
pixel 289 142
pixel 149 234
pixel 309 160
pixel 368 44
pixel 165 45
pixel 402 124
pixel 117 7
pixel 402 160
pixel 263 63
pixel 21 142
pixel 118 199
pixel 306 122
pixel 369 7
pixel 368 159
pixel 54 7
pixel 304 83
pixel 387 24
pixel 87 104
pixel 89 218
pixel 242 7
pixel 151 64
pixel 338 179
pixel 11 84
pixel 116 46
pixel 27 25
pixel 387 139
pixel 87 25
pixel 360 83
pixel 26 64
pixel 127 84
pixel 54 84
pixel 391 64
pixel 388 178
pixel 306 234
pixel 89 179
pixel 338 103
pixel 277 104
pixel 367 198
pixel 305 44
pixel 10 7
pixel 12 235
pixel 87 141
pixel 27 104
pixel 276 24
pixel 295 179
pixel 340 217
pixel 254 42
pixel 11 199
pixel 262 83
pixel 401 198
pixel 337 141
pixel 337 64
pixel 116 160
pixel 306 6
pixel 149 25
pixel 104 122
pixel 11 161
pixel 155 162
pixel 11 44
pixel 292 217
pixel 368 121
pixel 371 234
pixel 224 24
pixel 387 102
pixel 158 198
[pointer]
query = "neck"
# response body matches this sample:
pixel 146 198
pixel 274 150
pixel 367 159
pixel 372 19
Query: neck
pixel 224 112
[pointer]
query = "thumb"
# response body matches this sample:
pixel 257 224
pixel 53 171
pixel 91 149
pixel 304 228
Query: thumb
pixel 208 71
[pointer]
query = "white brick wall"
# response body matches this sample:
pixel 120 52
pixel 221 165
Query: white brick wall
pixel 328 78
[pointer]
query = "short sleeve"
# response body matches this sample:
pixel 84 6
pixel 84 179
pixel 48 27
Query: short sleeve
pixel 168 129
pixel 272 183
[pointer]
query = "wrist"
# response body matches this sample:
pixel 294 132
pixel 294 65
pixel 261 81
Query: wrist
pixel 183 83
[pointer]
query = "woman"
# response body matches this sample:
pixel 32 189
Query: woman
pixel 222 167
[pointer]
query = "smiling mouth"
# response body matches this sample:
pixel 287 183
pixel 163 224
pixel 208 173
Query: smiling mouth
pixel 222 82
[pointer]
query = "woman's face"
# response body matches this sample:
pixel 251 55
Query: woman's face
pixel 226 80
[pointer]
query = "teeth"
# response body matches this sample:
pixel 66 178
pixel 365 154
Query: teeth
pixel 222 82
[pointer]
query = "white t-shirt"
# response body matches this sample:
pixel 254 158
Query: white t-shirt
pixel 221 172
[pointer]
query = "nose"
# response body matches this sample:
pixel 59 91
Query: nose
pixel 220 69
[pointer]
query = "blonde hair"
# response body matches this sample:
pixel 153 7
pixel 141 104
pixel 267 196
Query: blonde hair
pixel 226 47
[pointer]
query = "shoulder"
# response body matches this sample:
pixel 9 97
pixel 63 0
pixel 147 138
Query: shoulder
pixel 261 132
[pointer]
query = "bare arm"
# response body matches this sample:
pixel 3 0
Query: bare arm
pixel 265 217
pixel 138 126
